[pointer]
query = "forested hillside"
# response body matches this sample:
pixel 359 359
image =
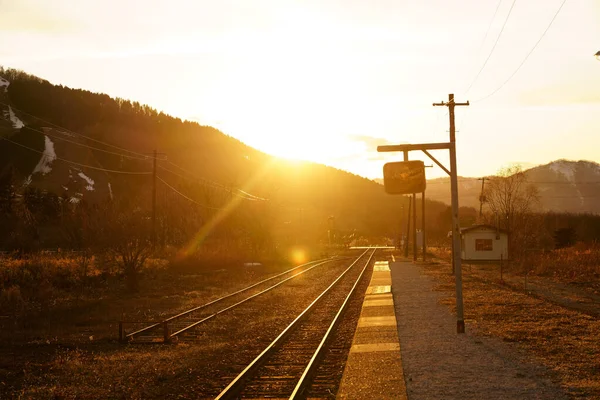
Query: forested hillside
pixel 79 154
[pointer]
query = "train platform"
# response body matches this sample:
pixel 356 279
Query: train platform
pixel 406 346
pixel 374 366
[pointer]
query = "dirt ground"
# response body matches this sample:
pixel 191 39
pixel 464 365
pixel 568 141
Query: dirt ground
pixel 554 323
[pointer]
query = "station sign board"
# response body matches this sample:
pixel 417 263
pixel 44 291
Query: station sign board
pixel 404 177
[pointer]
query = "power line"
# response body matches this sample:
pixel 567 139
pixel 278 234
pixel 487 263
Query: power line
pixel 82 145
pixel 246 195
pixel 526 57
pixel 569 197
pixel 194 177
pixel 493 47
pixel 567 183
pixel 208 182
pixel 461 123
pixel 536 182
pixel 73 132
pixel 489 26
pixel 186 197
pixel 76 163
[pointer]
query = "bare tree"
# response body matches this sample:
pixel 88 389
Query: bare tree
pixel 126 238
pixel 512 201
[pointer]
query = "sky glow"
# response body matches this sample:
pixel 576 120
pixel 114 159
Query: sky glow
pixel 329 80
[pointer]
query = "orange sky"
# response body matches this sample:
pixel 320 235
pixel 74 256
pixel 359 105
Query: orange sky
pixel 330 80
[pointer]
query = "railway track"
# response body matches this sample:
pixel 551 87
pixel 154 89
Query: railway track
pixel 184 324
pixel 286 368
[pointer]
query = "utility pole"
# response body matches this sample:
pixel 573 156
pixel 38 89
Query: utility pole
pixel 423 221
pixel 408 217
pixel 481 197
pixel 451 147
pixel 154 199
pixel 401 238
pixel 456 256
pixel 423 224
pixel 414 217
pixel 407 228
pixel 155 155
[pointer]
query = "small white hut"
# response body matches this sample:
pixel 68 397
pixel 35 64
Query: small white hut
pixel 484 243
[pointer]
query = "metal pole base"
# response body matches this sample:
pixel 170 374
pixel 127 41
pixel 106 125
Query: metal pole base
pixel 460 326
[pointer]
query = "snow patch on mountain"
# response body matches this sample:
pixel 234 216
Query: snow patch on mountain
pixel 17 123
pixel 48 156
pixel 76 199
pixel 90 181
pixel 4 83
pixel 565 168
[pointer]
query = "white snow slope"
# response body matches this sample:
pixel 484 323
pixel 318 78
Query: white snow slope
pixel 17 123
pixel 4 83
pixel 43 166
pixel 89 180
pixel 564 168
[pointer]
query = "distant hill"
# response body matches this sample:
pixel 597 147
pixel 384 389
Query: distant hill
pixel 89 148
pixel 564 186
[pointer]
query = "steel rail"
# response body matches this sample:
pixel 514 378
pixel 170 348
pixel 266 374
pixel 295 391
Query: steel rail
pixel 184 313
pixel 308 373
pixel 246 299
pixel 232 390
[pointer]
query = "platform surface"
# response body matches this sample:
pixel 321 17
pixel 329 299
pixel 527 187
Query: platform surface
pixel 374 366
pixel 406 347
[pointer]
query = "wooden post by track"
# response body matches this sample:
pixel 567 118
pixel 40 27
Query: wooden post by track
pixel 456 245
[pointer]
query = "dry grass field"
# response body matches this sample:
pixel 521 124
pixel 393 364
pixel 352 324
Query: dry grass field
pixel 546 323
pixel 59 324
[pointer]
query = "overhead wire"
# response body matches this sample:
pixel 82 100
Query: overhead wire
pixel 74 132
pixel 462 121
pixel 184 196
pixel 446 180
pixel 235 192
pixel 146 158
pixel 193 176
pixel 489 26
pixel 208 181
pixel 571 197
pixel 78 164
pixel 140 156
pixel 493 47
pixel 526 57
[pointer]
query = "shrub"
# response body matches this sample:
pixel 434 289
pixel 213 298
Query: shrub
pixel 11 301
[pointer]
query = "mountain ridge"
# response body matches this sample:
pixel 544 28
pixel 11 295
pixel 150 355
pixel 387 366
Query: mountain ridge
pixel 78 144
pixel 563 185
